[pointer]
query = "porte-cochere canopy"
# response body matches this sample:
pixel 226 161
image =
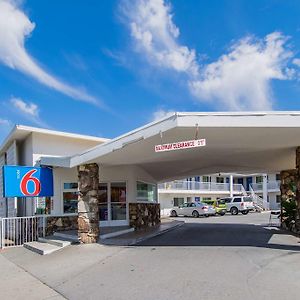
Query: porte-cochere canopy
pixel 235 142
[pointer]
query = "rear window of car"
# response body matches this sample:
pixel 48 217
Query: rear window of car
pixel 247 199
pixel 221 201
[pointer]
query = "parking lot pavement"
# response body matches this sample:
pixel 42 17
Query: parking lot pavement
pixel 16 283
pixel 230 257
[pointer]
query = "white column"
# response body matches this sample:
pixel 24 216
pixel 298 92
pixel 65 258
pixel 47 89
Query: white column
pixel 265 190
pixel 231 185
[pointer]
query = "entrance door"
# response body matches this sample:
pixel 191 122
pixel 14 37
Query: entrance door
pixel 113 210
pixel 249 181
pixel 241 181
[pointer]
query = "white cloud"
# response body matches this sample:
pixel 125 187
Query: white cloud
pixel 15 27
pixel 156 35
pixel 241 79
pixel 161 113
pixel 29 109
pixel 4 122
pixel 238 80
pixel 296 61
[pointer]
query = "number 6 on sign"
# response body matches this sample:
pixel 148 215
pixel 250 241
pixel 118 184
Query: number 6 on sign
pixel 21 181
pixel 28 177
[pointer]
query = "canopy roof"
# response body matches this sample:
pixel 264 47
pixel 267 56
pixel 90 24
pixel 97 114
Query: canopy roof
pixel 235 142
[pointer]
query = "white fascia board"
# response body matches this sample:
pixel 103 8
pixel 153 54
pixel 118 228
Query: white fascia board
pixel 136 135
pixel 240 119
pixel 30 129
pixel 63 162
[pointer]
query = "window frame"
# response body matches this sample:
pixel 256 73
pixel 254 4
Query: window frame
pixel 148 183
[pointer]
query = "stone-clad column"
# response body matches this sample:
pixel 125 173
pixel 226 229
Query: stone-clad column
pixel 88 210
pixel 287 188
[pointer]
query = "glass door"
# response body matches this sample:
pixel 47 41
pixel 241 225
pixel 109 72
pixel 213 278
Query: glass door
pixel 103 202
pixel 118 201
pixel 113 204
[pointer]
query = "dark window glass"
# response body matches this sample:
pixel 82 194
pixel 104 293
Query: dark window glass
pixel 70 185
pixel 70 200
pixel 237 200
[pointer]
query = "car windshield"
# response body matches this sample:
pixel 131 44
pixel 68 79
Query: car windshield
pixel 247 199
pixel 222 201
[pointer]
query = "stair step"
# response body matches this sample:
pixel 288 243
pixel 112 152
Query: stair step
pixel 66 237
pixel 56 241
pixel 41 248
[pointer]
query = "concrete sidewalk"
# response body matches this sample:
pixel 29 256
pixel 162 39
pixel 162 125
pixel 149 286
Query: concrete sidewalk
pixel 136 237
pixel 16 283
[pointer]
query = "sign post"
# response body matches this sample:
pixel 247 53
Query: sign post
pixel 180 145
pixel 19 181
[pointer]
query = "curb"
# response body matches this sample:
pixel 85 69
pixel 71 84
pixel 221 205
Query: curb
pixel 141 239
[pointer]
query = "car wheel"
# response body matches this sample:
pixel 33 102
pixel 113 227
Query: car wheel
pixel 222 214
pixel 173 213
pixel 245 212
pixel 234 211
pixel 195 214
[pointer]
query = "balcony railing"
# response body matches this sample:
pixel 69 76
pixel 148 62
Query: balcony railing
pixel 271 185
pixel 199 186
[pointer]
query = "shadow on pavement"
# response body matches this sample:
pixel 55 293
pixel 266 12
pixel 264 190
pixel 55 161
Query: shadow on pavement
pixel 225 235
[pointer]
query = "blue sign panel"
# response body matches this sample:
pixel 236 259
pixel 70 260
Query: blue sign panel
pixel 27 181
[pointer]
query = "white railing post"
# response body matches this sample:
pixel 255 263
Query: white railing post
pixel 44 226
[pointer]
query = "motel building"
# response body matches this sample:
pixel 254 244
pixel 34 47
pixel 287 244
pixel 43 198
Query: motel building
pixel 100 183
pixel 263 188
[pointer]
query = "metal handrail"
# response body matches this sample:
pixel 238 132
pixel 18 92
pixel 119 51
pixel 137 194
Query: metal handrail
pixel 200 186
pixel 15 231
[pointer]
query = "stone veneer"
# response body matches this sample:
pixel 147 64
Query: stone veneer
pixel 88 209
pixel 290 190
pixel 143 215
pixel 60 223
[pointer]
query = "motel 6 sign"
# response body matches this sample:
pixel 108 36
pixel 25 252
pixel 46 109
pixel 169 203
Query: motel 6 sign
pixel 27 181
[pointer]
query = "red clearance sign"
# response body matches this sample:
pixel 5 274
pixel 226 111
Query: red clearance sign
pixel 180 145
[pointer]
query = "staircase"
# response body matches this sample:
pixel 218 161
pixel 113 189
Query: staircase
pixel 49 244
pixel 258 201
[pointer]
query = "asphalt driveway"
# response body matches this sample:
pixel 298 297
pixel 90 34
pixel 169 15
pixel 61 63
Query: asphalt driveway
pixel 230 257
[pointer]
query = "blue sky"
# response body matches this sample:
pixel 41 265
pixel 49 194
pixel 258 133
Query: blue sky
pixel 106 67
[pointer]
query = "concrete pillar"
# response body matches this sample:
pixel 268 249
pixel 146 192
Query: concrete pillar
pixel 231 185
pixel 265 191
pixel 88 210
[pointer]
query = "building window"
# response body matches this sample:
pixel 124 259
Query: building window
pixel 70 185
pixel 70 197
pixel 220 179
pixel 259 179
pixel 197 199
pixel 178 201
pixel 146 192
pixel 278 198
pixel 197 178
pixel 206 199
pixel 278 177
pixel 44 205
pixel 206 179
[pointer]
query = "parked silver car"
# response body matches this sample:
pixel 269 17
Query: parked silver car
pixel 194 209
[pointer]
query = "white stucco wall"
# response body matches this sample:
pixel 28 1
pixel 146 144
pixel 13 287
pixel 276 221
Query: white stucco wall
pixel 51 145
